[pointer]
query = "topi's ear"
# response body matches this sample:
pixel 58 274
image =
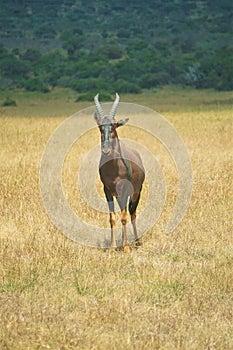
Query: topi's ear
pixel 122 122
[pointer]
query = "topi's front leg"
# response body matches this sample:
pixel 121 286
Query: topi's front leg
pixel 126 246
pixel 112 217
pixel 112 220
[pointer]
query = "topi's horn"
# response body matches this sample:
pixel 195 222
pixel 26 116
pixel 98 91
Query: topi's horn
pixel 114 107
pixel 98 106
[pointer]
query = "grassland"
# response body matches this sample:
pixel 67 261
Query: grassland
pixel 174 292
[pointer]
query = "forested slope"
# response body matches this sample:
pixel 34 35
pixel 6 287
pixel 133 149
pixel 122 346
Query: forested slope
pixel 115 45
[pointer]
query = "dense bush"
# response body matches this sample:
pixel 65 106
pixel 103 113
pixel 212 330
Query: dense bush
pixel 8 102
pixel 33 84
pixel 89 97
pixel 123 86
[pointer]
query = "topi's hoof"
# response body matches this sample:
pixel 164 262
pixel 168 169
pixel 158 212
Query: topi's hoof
pixel 112 249
pixel 138 243
pixel 127 249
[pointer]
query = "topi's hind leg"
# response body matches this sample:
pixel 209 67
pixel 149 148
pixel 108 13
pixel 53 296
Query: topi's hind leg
pixel 132 210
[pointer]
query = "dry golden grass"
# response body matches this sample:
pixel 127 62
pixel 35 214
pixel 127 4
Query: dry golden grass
pixel 174 292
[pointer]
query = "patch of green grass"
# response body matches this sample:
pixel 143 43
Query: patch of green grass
pixel 16 286
pixel 162 293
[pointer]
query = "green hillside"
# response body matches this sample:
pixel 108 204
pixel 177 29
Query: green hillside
pixel 114 45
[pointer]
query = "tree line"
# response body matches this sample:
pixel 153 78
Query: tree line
pixel 108 47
